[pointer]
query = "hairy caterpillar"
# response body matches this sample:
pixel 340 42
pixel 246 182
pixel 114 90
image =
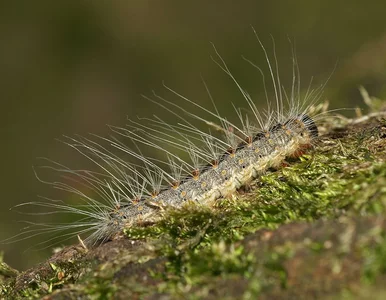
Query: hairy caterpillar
pixel 221 160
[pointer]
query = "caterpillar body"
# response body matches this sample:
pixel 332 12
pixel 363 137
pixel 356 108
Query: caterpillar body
pixel 221 160
pixel 221 178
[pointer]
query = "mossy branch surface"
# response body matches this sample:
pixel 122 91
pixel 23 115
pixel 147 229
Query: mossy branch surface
pixel 316 227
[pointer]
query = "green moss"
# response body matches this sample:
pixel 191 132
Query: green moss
pixel 242 246
pixel 374 257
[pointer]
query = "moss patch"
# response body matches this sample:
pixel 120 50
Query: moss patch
pixel 313 228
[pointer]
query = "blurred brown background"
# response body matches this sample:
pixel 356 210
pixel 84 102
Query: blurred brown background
pixel 71 67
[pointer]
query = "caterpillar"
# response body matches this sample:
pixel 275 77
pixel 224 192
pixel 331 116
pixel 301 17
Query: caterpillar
pixel 221 160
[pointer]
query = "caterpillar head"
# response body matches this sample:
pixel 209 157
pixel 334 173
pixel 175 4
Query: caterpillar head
pixel 304 127
pixel 309 125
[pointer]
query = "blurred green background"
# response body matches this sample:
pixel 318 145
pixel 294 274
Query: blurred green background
pixel 71 67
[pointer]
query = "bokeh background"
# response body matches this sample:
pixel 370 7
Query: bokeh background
pixel 71 67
